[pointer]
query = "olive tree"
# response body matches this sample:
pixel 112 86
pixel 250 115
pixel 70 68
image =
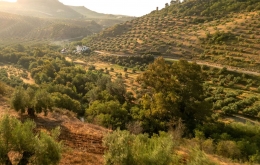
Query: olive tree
pixel 31 99
pixel 34 148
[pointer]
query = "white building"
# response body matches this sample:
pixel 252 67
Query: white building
pixel 82 49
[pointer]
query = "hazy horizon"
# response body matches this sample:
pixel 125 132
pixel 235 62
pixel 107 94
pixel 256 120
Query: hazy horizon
pixel 121 7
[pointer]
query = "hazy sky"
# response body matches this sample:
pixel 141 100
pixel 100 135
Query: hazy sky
pixel 123 7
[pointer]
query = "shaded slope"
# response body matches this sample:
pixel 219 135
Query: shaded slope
pixel 16 28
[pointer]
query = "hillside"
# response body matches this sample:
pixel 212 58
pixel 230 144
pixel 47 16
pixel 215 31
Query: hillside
pixel 40 8
pixel 103 19
pixel 83 142
pixel 207 31
pixel 16 28
pixel 92 14
pixel 57 10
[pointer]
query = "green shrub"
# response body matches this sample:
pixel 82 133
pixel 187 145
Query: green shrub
pixel 125 148
pixel 119 150
pixel 255 158
pixel 2 88
pixel 198 157
pixel 208 146
pixel 31 146
pixel 228 149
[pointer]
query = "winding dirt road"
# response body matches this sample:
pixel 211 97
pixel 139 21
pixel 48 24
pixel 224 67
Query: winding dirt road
pixel 229 68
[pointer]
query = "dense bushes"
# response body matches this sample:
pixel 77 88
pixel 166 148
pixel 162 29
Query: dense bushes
pixel 125 148
pixel 109 114
pixel 9 80
pixel 32 147
pixel 235 98
pixel 236 141
pixel 137 61
pixel 2 88
pixel 219 38
pixel 228 149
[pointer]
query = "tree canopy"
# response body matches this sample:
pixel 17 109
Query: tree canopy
pixel 36 148
pixel 176 91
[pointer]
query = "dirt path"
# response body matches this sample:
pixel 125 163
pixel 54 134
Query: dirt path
pixel 77 61
pixel 11 70
pixel 243 119
pixel 229 68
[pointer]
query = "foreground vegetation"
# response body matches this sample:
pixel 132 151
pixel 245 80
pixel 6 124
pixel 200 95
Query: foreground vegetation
pixel 159 111
pixel 169 93
pixel 34 148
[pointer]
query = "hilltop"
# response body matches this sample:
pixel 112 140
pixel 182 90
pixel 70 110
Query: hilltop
pixel 207 31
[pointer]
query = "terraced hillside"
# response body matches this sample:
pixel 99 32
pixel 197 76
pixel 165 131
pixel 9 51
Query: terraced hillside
pixel 224 32
pixel 16 28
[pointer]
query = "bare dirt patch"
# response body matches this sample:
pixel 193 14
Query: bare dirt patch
pixel 82 141
pixel 11 70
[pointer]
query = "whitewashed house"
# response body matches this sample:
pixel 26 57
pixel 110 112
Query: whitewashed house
pixel 81 49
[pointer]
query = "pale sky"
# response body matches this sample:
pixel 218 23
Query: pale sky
pixel 122 7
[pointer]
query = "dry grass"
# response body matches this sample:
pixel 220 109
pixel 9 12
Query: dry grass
pixel 82 141
pixel 11 70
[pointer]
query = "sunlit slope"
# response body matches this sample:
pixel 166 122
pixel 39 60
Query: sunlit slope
pixel 40 8
pixel 14 28
pixel 92 14
pixel 228 35
pixel 103 19
pixel 55 9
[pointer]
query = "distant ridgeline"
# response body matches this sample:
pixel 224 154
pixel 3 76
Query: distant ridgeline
pixel 36 1
pixel 41 20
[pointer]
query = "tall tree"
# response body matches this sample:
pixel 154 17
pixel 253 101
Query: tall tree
pixel 176 92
